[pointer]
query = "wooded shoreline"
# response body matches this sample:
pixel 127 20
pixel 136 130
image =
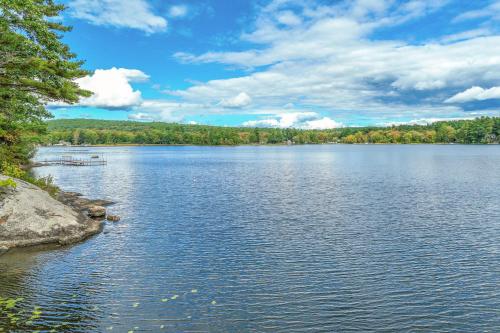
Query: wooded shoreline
pixel 266 145
pixel 78 132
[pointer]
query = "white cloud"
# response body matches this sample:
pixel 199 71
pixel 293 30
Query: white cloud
pixel 262 123
pixel 302 120
pixel 178 11
pixel 287 17
pixel 164 110
pixel 322 123
pixel 134 14
pixel 111 88
pixel 140 116
pixel 422 121
pixel 464 35
pixel 238 101
pixel 475 94
pixel 491 11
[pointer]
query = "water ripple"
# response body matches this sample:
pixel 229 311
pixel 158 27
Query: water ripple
pixel 273 239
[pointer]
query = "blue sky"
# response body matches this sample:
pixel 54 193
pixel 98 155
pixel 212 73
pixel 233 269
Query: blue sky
pixel 286 63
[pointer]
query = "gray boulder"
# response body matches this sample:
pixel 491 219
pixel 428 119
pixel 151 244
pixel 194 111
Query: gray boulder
pixel 30 216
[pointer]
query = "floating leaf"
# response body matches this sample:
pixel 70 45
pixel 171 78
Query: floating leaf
pixel 214 302
pixel 194 291
pixel 164 300
pixel 11 303
pixel 36 313
pixel 175 296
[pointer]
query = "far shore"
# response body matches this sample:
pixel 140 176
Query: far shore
pixel 263 144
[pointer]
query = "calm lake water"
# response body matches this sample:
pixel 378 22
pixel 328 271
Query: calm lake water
pixel 326 238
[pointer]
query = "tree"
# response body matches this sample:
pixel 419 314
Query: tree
pixel 35 68
pixel 445 133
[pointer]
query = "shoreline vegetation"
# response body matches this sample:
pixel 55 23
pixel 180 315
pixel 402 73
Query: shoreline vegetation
pixel 88 132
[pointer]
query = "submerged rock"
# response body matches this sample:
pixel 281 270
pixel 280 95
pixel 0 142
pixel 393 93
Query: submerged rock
pixel 30 216
pixel 101 202
pixel 75 200
pixel 73 194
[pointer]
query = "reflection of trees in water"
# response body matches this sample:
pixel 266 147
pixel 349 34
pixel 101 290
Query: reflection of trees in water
pixel 29 301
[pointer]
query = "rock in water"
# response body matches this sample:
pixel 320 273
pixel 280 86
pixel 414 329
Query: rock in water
pixel 30 216
pixel 113 218
pixel 76 201
pixel 97 211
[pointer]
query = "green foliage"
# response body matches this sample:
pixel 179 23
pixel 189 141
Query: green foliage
pixel 12 170
pixel 45 183
pixel 9 182
pixel 35 68
pixel 82 131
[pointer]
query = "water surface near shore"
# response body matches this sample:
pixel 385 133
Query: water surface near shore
pixel 327 238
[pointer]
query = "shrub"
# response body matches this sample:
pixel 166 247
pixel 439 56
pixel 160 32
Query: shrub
pixel 8 183
pixel 12 170
pixel 45 183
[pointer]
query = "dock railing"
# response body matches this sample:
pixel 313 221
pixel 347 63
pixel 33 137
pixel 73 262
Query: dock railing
pixel 72 161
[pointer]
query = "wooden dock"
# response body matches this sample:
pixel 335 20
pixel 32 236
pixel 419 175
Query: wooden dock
pixel 72 161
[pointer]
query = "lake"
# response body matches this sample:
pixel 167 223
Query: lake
pixel 315 238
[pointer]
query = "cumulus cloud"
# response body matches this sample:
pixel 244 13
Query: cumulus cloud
pixel 112 89
pixel 302 120
pixel 238 101
pixel 134 14
pixel 178 11
pixel 475 94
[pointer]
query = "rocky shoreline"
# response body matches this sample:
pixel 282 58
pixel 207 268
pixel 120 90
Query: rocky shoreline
pixel 29 216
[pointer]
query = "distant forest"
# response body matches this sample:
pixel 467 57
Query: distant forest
pixel 483 130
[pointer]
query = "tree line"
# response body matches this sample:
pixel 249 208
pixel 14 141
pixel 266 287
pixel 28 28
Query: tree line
pixel 484 130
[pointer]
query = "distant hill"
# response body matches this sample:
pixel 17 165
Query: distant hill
pixel 108 132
